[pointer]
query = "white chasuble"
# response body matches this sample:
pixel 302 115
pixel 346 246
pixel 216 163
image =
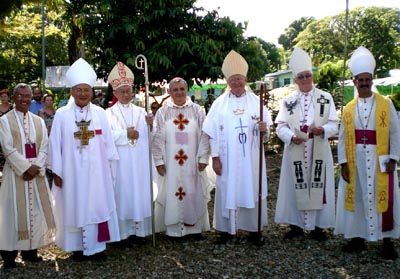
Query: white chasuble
pixel 181 205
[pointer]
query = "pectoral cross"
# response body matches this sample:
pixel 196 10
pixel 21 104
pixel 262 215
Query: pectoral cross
pixel 242 135
pixel 322 101
pixel 83 134
pixel 364 139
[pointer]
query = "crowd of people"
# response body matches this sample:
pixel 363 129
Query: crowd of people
pixel 121 174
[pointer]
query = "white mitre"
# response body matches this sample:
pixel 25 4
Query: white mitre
pixel 80 72
pixel 234 64
pixel 120 75
pixel 362 61
pixel 300 61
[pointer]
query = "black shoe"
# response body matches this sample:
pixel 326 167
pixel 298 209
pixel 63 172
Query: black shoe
pixel 137 240
pixel 98 257
pixel 388 251
pixel 122 244
pixel 255 239
pixel 196 236
pixel 77 256
pixel 9 264
pixel 294 232
pixel 223 238
pixel 318 234
pixel 9 258
pixel 31 256
pixel 355 245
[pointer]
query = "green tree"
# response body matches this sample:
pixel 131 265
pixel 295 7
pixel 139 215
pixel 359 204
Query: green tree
pixel 288 39
pixel 21 46
pixel 376 28
pixel 174 37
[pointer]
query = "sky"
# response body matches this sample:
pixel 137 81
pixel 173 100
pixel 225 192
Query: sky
pixel 269 18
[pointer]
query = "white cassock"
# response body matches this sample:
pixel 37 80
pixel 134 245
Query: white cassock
pixel 132 183
pixel 232 126
pixel 85 208
pixel 287 211
pixel 365 221
pixel 183 193
pixel 35 229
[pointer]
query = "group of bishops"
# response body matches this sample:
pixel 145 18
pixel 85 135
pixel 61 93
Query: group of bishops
pixel 111 166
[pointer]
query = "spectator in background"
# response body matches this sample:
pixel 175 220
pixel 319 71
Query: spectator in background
pixel 37 103
pixel 154 107
pixel 5 107
pixel 48 111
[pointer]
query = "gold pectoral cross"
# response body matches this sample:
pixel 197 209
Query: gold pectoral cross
pixel 83 134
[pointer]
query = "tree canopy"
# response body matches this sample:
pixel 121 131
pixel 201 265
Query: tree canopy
pixel 376 28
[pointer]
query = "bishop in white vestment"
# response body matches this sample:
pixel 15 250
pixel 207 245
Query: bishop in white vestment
pixel 180 152
pixel 82 157
pixel 368 207
pixel 133 182
pixel 306 121
pixel 26 216
pixel 234 127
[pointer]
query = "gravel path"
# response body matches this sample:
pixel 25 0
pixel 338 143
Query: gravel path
pixel 188 258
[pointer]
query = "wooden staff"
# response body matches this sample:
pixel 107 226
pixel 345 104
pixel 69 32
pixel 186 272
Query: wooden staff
pixel 260 169
pixel 141 64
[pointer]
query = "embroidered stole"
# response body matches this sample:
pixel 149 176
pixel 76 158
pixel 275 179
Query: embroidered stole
pixel 20 188
pixel 310 197
pixel 382 124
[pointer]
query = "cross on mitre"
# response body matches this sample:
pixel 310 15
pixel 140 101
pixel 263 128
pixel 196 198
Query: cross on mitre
pixel 83 134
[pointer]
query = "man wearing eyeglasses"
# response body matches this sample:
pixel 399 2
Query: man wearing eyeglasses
pixel 305 122
pixel 26 215
pixel 130 124
pixel 368 149
pixel 82 155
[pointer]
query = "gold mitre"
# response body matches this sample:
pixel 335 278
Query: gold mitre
pixel 120 75
pixel 234 64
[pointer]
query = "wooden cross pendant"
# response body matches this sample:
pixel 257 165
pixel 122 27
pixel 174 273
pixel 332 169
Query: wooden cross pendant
pixel 83 134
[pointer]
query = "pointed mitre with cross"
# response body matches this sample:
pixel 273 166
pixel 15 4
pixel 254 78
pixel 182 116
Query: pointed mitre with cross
pixel 300 61
pixel 120 75
pixel 234 64
pixel 80 72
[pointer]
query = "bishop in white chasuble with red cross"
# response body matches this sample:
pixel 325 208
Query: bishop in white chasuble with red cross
pixel 183 191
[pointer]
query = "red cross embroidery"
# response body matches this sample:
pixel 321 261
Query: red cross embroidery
pixel 180 193
pixel 181 157
pixel 181 121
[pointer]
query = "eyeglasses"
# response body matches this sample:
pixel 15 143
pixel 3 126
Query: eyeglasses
pixel 306 76
pixel 82 90
pixel 129 91
pixel 154 108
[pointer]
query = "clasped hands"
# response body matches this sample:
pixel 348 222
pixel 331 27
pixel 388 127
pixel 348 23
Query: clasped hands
pixel 31 173
pixel 317 131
